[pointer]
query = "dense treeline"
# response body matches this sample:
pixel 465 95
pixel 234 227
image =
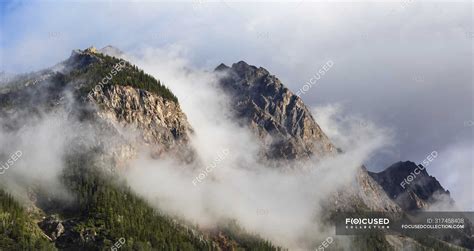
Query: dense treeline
pixel 17 229
pixel 107 208
pixel 124 74
pixel 111 211
pixel 245 240
pixel 104 212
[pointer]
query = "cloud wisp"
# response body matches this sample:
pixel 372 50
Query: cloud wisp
pixel 241 187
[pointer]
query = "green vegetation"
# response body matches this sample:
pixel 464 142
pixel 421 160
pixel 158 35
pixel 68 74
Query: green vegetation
pixel 430 243
pixel 111 211
pixel 246 241
pixel 17 230
pixel 86 73
pixel 106 210
pixel 375 241
pixel 128 75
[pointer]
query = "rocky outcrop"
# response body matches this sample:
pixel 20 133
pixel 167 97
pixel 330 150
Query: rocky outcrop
pixel 276 115
pixel 124 118
pixel 288 131
pixel 160 123
pixel 52 227
pixel 420 193
pixel 365 194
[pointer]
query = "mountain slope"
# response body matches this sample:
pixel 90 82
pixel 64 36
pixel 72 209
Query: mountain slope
pixel 421 193
pixel 279 118
pixel 118 109
pixel 123 109
pixel 287 131
pixel 18 230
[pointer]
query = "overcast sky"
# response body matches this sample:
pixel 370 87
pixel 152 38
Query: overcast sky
pixel 405 65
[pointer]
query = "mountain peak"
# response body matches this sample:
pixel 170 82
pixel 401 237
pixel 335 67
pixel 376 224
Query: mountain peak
pixel 242 68
pixel 91 49
pixel 273 112
pixel 108 50
pixel 410 185
pixel 242 64
pixel 221 67
pixel 405 168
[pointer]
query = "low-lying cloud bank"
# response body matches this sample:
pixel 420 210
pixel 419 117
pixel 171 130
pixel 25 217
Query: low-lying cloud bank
pixel 455 172
pixel 43 141
pixel 280 205
pixel 283 206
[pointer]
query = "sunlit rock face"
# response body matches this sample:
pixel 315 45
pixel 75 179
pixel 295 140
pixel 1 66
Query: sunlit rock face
pixel 276 115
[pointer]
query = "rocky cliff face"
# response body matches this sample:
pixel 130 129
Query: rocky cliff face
pixel 276 115
pixel 125 116
pixel 73 86
pixel 113 122
pixel 288 131
pixel 364 193
pixel 160 123
pixel 421 193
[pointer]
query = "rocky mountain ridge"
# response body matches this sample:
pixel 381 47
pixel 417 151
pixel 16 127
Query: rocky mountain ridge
pixel 421 193
pixel 288 132
pixel 162 125
pixel 159 120
pixel 131 100
pixel 277 116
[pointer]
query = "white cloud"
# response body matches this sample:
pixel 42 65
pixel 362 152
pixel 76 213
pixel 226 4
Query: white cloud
pixel 280 205
pixel 454 170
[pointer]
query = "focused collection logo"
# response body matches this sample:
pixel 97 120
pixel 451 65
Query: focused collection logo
pixel 367 223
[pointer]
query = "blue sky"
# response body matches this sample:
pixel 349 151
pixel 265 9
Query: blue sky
pixel 406 65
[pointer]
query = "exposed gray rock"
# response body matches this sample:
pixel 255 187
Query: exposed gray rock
pixel 160 122
pixel 262 102
pixel 365 194
pixel 280 118
pixel 284 125
pixel 52 227
pixel 105 110
pixel 421 193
